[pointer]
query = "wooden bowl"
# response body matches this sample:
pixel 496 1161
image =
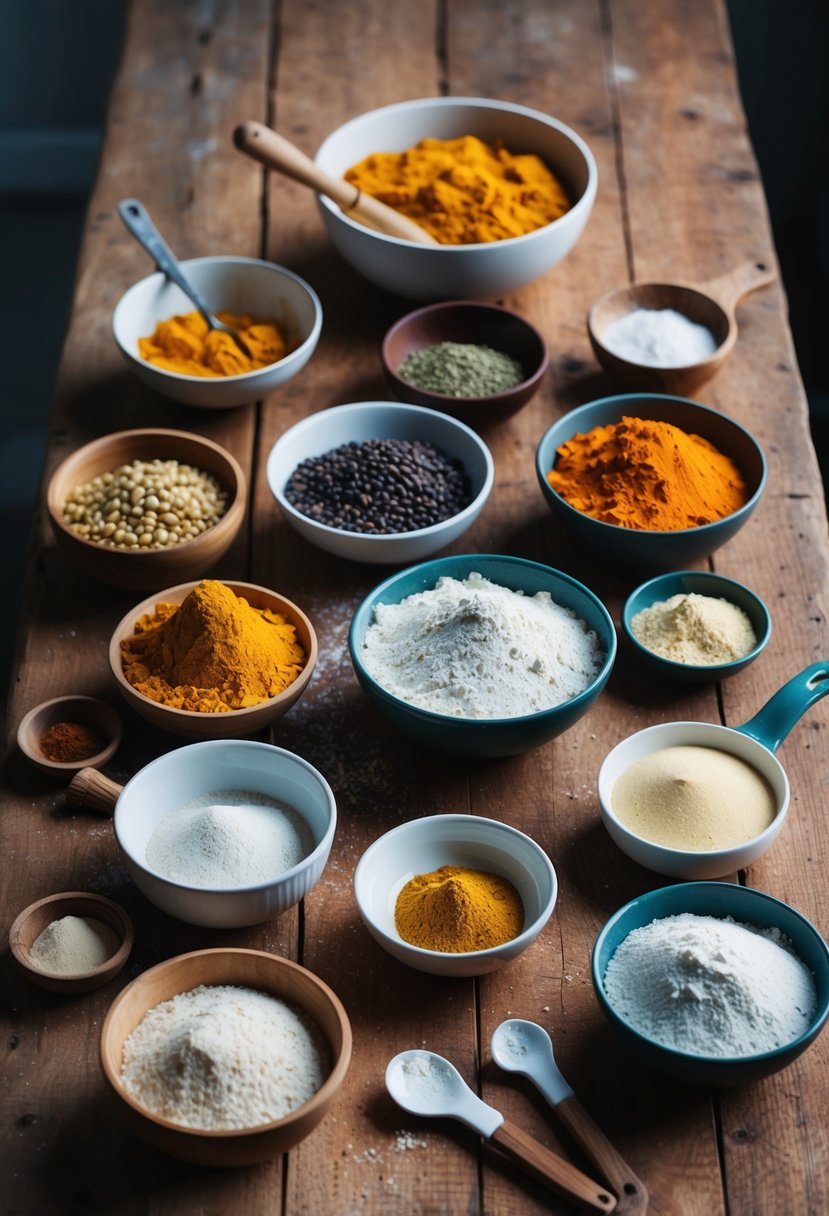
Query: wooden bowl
pixel 33 920
pixel 146 569
pixel 478 324
pixel 86 711
pixel 247 968
pixel 191 723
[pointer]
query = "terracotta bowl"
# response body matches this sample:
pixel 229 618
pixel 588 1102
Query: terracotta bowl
pixel 146 569
pixel 86 711
pixel 238 722
pixel 247 968
pixel 31 922
pixel 478 324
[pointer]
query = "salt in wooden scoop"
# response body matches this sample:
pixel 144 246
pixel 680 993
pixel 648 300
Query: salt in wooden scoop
pixel 276 152
pixel 526 1048
pixel 424 1083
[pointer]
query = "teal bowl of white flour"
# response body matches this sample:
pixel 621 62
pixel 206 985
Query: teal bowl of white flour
pixel 481 654
pixel 713 983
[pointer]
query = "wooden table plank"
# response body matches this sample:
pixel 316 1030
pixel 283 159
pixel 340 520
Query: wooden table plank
pixel 622 74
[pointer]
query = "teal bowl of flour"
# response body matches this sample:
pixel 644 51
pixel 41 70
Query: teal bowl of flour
pixel 463 678
pixel 731 1062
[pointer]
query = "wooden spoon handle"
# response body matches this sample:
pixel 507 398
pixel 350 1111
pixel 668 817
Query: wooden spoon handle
pixel 632 1196
pixel 729 289
pixel 277 152
pixel 559 1174
pixel 91 788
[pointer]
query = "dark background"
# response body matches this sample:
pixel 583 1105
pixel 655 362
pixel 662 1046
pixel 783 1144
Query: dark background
pixel 57 62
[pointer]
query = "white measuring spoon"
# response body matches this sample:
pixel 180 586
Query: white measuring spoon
pixel 526 1048
pixel 424 1083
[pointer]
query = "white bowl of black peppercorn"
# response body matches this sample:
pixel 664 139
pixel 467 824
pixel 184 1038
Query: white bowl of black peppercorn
pixel 380 481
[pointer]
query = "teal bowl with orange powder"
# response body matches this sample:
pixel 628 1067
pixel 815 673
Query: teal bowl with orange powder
pixel 652 547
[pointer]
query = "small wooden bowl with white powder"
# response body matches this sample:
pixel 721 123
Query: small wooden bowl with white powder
pixel 73 941
pixel 226 1057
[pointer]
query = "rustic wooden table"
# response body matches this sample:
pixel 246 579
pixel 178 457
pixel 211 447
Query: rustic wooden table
pixel 652 88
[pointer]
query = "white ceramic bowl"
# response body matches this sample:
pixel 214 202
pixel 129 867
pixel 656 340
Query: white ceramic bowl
pixel 322 432
pixel 424 845
pixel 181 775
pixel 424 272
pixel 242 285
pixel 682 863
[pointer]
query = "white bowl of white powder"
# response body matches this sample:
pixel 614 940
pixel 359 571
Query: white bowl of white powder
pixel 714 983
pixel 227 832
pixel 481 654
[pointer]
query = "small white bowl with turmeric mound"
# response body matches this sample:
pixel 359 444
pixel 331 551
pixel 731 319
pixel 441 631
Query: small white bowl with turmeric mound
pixel 168 346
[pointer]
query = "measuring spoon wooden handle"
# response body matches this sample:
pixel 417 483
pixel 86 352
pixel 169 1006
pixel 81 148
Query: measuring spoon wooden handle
pixel 632 1196
pixel 276 152
pixel 91 788
pixel 557 1173
pixel 729 289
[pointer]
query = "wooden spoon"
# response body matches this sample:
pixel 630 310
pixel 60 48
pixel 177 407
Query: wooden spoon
pixel 92 789
pixel 711 303
pixel 276 152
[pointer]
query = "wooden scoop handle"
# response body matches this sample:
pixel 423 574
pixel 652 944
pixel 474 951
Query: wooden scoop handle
pixel 276 152
pixel 632 1196
pixel 557 1173
pixel 729 289
pixel 91 788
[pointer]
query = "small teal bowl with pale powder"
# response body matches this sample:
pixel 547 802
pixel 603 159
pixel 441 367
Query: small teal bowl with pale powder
pixel 691 627
pixel 501 731
pixel 720 900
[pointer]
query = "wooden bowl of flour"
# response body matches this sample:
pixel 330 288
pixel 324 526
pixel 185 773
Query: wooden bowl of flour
pixel 33 920
pixel 256 969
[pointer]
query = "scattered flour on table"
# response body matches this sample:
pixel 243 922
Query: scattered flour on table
pixel 223 1057
pixel 474 649
pixel 228 838
pixel 710 986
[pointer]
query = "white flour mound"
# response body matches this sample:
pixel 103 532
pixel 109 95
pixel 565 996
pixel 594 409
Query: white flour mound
pixel 474 649
pixel 222 1058
pixel 710 986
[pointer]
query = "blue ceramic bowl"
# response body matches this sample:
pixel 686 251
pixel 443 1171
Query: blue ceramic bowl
pixel 489 736
pixel 720 899
pixel 665 550
pixel 697 582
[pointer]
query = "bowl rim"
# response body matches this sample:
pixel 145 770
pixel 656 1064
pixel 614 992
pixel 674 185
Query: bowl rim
pixel 237 493
pixel 320 850
pixel 326 1091
pixel 66 766
pixel 109 967
pixel 584 201
pixel 315 421
pixel 614 529
pixel 430 715
pixel 672 665
pixel 218 260
pixel 444 306
pixel 129 618
pixel 515 944
pixel 755 896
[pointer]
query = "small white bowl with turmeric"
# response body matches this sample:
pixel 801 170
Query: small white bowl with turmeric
pixel 169 346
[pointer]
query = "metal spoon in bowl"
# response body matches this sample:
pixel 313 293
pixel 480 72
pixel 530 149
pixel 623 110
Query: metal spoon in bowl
pixel 137 219
pixel 424 1083
pixel 526 1048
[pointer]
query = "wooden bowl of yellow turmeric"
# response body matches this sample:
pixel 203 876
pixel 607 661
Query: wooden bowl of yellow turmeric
pixel 650 480
pixel 213 660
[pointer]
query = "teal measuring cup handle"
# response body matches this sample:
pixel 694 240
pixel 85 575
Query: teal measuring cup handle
pixel 772 723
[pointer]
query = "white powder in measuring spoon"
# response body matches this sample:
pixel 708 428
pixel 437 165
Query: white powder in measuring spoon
pixel 222 1057
pixel 474 649
pixel 228 838
pixel 710 986
pixel 658 337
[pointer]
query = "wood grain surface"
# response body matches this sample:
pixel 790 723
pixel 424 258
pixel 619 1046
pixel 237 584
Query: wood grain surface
pixel 651 86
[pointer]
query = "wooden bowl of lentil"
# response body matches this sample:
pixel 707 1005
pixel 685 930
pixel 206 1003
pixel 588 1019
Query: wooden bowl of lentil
pixel 195 724
pixel 253 969
pixel 202 485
